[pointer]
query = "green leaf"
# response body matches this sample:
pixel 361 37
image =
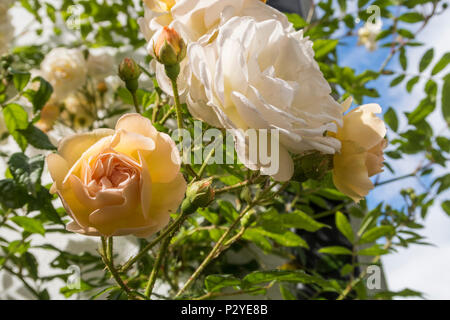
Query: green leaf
pixel 397 80
pixel 29 224
pixel 27 171
pixel 258 239
pixel 337 250
pixel 374 234
pixel 446 206
pixel 300 220
pixel 441 64
pixel 16 118
pixel 287 239
pixel 40 97
pixel 297 21
pixel 11 194
pixel 362 3
pixel 215 282
pixel 421 112
pixel 426 59
pixel 403 59
pixel 375 250
pixel 20 79
pixel 411 17
pixel 390 117
pixel 286 293
pixel 323 47
pixel 37 138
pixel 446 98
pixel 344 226
pixel 258 277
pixel 411 83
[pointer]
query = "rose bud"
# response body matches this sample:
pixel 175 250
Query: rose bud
pixel 129 72
pixel 169 48
pixel 102 87
pixel 198 195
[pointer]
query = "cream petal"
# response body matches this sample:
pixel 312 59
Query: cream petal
pixel 285 167
pixel 89 231
pixel 249 114
pixel 108 197
pixel 71 148
pixel 58 168
pixel 130 143
pixel 146 187
pixel 108 218
pixel 350 172
pixel 164 162
pixel 363 126
pixel 166 198
pixel 134 122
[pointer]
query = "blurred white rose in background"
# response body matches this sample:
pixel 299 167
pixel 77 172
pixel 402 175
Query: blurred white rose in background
pixel 367 35
pixel 66 70
pixel 100 65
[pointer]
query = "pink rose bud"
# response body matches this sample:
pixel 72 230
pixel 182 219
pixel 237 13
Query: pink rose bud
pixel 169 48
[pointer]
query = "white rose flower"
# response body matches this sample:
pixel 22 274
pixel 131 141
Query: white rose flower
pixel 100 65
pixel 367 35
pixel 259 75
pixel 193 19
pixel 66 70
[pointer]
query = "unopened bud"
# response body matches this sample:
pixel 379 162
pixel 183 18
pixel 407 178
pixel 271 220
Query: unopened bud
pixel 102 87
pixel 170 48
pixel 129 72
pixel 198 195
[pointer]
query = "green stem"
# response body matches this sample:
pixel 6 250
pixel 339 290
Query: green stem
pixel 205 162
pixel 396 179
pixel 107 256
pixel 179 113
pixel 136 102
pixel 216 250
pixel 178 222
pixel 156 266
pixel 213 253
pixel 176 97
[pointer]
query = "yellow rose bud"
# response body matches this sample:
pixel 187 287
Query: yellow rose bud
pixel 169 48
pixel 118 182
pixel 361 156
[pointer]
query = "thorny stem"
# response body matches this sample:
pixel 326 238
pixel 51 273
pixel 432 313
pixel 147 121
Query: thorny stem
pixel 156 266
pixel 107 256
pixel 215 252
pixel 178 222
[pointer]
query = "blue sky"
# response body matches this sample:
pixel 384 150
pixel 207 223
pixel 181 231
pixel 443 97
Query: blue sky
pixel 423 268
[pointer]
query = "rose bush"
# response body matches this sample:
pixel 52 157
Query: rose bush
pixel 118 182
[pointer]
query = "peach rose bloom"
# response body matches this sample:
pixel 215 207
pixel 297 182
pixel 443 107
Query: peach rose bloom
pixel 361 156
pixel 118 182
